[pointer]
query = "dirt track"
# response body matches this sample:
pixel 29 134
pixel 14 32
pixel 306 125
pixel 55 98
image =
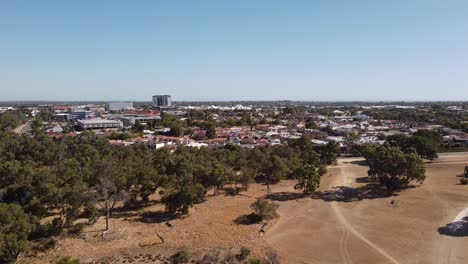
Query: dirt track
pixel 350 222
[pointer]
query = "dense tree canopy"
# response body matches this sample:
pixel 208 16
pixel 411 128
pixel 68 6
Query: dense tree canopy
pixel 14 230
pixel 425 142
pixel 11 119
pixel 394 168
pixel 85 175
pixel 308 178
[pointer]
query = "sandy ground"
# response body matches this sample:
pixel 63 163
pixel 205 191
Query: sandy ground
pixel 133 235
pixel 350 223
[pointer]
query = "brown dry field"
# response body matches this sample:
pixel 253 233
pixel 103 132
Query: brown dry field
pixel 209 225
pixel 345 223
pixel 348 223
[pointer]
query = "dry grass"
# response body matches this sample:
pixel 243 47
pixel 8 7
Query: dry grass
pixel 351 221
pixel 135 233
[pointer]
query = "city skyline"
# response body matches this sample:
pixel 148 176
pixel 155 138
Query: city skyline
pixel 226 51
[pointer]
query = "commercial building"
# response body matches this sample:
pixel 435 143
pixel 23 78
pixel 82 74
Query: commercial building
pixel 118 106
pixel 82 114
pixel 98 123
pixel 131 120
pixel 162 100
pixel 62 117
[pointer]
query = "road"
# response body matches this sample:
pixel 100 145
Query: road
pixel 24 128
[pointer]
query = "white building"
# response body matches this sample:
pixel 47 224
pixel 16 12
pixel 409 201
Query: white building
pixel 98 123
pixel 118 106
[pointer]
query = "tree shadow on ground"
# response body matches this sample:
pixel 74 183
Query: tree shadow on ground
pixel 243 220
pixel 351 194
pixel 455 229
pixel 157 217
pixel 232 191
pixel 247 219
pixel 356 162
pixel 286 196
pixel 364 179
pixel 124 214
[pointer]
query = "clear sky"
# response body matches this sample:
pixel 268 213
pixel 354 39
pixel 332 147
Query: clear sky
pixel 234 50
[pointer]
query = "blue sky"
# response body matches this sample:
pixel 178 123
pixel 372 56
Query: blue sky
pixel 234 50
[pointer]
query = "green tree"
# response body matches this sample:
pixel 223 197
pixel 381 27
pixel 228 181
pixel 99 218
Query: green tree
pixel 147 182
pixel 425 142
pixel 278 169
pixel 394 168
pixel 110 188
pixel 308 178
pixel 310 123
pixel 329 153
pixel 350 138
pixel 177 130
pixel 67 193
pixel 14 231
pixel 180 201
pixel 211 131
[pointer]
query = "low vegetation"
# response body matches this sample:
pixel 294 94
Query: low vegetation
pixel 181 256
pixel 263 210
pixel 68 260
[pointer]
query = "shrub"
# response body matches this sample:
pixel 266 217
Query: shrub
pixel 76 229
pixel 91 213
pixel 254 261
pixel 273 257
pixel 214 255
pixel 68 260
pixel 264 209
pixel 244 253
pixel 44 244
pixel 182 256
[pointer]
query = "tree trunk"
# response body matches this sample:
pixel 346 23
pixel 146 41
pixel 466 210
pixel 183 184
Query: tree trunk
pixel 107 218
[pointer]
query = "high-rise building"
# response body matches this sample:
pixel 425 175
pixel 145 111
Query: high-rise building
pixel 162 100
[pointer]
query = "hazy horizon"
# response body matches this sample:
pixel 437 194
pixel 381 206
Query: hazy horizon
pixel 320 51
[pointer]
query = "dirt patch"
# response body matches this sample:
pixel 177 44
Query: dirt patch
pixel 350 221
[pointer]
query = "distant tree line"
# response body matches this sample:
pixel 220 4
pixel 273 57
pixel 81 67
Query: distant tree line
pixel 426 143
pixel 434 115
